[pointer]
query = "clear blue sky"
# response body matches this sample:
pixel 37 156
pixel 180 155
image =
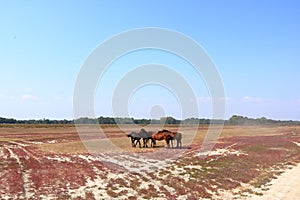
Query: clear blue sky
pixel 254 44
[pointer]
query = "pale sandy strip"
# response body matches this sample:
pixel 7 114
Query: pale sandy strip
pixel 286 186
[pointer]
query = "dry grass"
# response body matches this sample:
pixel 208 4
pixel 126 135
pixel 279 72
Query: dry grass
pixel 52 160
pixel 68 140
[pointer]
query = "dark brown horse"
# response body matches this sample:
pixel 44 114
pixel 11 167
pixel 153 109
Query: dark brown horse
pixel 162 135
pixel 169 136
pixel 176 136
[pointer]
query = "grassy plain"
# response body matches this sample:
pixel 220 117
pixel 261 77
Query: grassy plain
pixel 65 138
pixel 38 161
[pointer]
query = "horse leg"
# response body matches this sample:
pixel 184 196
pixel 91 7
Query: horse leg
pixel 145 141
pixel 153 143
pixel 136 142
pixel 132 142
pixel 144 144
pixel 179 144
pixel 172 143
pixel 139 141
pixel 168 143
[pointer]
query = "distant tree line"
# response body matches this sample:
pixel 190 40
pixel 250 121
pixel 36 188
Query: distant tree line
pixel 234 120
pixel 34 121
pixel 126 120
pixel 240 120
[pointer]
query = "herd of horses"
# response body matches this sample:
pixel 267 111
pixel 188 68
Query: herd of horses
pixel 143 135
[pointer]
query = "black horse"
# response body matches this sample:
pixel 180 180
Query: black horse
pixel 135 139
pixel 146 136
pixel 142 134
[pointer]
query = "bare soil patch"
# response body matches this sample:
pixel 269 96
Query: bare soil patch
pixel 52 162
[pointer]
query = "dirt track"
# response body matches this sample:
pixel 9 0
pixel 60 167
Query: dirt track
pixel 287 186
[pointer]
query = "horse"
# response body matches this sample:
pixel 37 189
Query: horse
pixel 175 136
pixel 135 139
pixel 162 135
pixel 142 134
pixel 146 136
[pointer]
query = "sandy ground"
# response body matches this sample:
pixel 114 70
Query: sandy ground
pixel 286 187
pixel 32 161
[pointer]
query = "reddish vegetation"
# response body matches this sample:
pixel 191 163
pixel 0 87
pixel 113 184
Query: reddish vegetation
pixel 26 171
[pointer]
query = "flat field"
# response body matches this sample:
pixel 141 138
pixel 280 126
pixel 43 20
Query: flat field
pixel 55 162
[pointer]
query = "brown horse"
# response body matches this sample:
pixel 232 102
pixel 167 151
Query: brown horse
pixel 162 135
pixel 173 136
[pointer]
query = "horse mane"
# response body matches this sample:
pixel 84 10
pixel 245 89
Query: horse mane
pixel 164 130
pixel 143 131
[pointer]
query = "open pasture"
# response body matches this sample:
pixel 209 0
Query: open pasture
pixel 50 161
